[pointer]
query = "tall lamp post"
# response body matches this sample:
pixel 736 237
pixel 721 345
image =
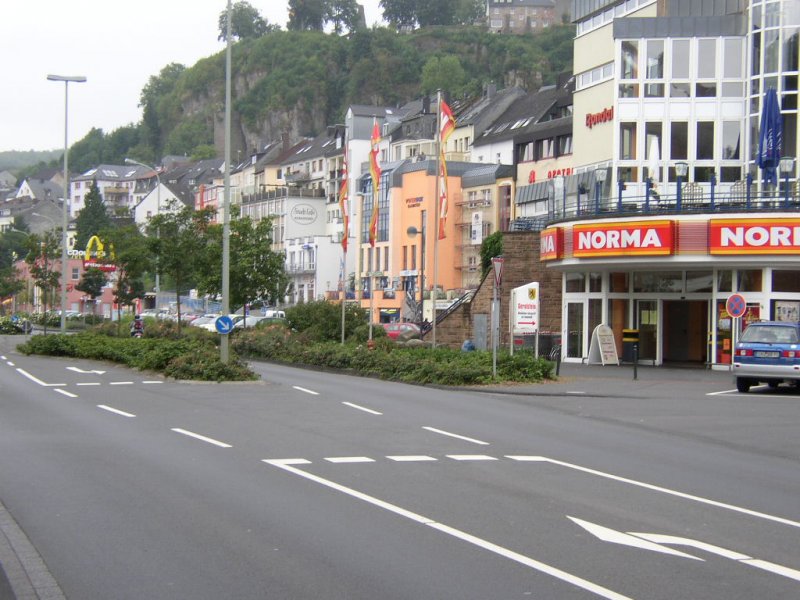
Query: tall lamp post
pixel 67 79
pixel 681 170
pixel 412 232
pixel 130 161
pixel 786 166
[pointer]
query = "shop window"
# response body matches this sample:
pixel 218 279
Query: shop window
pixel 699 281
pixel 786 310
pixel 595 282
pixel 750 280
pixel 575 282
pixel 725 281
pixel 786 281
pixel 732 58
pixel 618 283
pixel 667 281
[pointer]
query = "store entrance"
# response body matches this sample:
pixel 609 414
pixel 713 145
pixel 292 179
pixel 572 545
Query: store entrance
pixel 685 331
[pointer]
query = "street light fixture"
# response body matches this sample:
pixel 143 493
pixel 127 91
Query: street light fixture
pixel 67 79
pixel 130 161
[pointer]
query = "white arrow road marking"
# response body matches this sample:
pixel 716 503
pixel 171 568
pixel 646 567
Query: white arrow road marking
pixel 24 373
pixel 568 578
pixel 738 556
pixel 617 537
pixel 77 370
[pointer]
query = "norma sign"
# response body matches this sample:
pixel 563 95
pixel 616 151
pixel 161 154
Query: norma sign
pixel 630 238
pixel 525 309
pixel 551 244
pixel 754 236
pixel 736 305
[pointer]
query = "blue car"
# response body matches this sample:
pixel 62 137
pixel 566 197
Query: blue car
pixel 768 352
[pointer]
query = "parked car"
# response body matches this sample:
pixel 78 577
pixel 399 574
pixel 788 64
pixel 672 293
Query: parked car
pixel 205 321
pixel 246 322
pixel 768 352
pixel 155 313
pixel 404 330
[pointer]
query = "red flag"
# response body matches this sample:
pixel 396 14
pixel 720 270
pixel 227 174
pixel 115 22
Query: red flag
pixel 447 125
pixel 375 171
pixel 344 202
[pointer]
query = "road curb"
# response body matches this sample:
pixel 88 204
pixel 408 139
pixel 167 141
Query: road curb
pixel 26 572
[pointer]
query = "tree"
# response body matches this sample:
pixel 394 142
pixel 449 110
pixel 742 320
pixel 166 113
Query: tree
pixel 246 23
pixel 436 12
pixel 256 272
pixel 400 13
pixel 343 14
pixel 92 219
pixel 43 252
pixel 468 12
pixel 132 259
pixel 491 247
pixel 92 283
pixel 178 243
pixel 155 106
pixel 445 73
pixel 307 15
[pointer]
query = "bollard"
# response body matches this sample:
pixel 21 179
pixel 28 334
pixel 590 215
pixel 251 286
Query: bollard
pixel 635 361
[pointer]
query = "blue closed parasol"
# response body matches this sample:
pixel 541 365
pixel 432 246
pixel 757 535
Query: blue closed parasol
pixel 770 137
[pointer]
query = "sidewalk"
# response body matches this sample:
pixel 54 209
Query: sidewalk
pixel 618 381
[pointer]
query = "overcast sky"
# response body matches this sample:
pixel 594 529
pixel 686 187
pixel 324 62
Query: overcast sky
pixel 116 44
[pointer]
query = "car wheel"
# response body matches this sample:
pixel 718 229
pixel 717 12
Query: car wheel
pixel 743 384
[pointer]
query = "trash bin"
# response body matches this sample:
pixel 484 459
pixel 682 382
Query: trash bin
pixel 630 339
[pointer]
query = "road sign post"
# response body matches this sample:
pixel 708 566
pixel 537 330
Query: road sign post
pixel 497 268
pixel 223 324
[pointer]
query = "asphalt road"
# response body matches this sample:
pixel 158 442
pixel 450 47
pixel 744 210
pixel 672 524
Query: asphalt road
pixel 315 485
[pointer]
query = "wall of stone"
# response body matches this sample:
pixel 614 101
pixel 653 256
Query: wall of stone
pixel 521 266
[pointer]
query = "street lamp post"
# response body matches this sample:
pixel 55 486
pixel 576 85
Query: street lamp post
pixel 412 232
pixel 130 161
pixel 67 79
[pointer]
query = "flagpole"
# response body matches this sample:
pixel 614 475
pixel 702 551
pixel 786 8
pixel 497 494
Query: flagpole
pixel 436 215
pixel 344 282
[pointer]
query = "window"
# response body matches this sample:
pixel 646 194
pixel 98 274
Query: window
pixel 655 59
pixel 627 141
pixel 732 58
pixel 707 59
pixel 564 145
pixel 680 59
pixel 76 274
pixel 731 133
pixel 629 61
pixel 544 149
pixel 705 140
pixel 679 144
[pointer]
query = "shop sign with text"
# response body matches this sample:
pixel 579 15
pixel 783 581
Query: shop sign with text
pixel 754 236
pixel 551 244
pixel 642 238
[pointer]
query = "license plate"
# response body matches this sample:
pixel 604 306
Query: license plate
pixel 766 354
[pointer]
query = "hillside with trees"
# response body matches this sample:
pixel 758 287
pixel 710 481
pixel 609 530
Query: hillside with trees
pixel 288 84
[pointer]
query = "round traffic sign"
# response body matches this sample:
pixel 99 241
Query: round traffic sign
pixel 735 305
pixel 223 324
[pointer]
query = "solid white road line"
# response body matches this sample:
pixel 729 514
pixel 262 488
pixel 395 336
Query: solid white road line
pixel 366 410
pixel 89 383
pixel 120 383
pixel 152 382
pixel 302 389
pixel 116 411
pixel 202 438
pixel 349 459
pixel 657 488
pixel 24 373
pixel 66 393
pixel 10 364
pixel 471 539
pixel 453 435
pixel 411 458
pixel 463 457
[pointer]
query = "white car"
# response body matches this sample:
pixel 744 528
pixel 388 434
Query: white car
pixel 205 322
pixel 242 322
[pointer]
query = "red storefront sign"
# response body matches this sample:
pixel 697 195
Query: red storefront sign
pixel 551 244
pixel 604 116
pixel 754 236
pixel 635 238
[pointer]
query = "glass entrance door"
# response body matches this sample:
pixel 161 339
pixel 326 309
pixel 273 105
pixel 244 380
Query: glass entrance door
pixel 575 330
pixel 647 321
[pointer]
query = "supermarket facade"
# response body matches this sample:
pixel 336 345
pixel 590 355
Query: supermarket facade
pixel 667 213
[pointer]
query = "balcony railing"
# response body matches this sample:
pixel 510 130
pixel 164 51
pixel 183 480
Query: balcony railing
pixel 692 198
pixel 282 192
pixel 302 268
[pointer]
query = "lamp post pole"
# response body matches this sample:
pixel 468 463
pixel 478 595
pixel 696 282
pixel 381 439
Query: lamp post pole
pixel 67 79
pixel 130 161
pixel 226 216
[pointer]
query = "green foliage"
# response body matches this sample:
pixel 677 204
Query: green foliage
pixel 306 15
pixel 246 22
pixel 92 282
pixel 29 161
pixel 182 359
pixel 191 134
pixel 491 246
pixel 93 218
pixel 43 252
pixel 445 73
pixel 322 321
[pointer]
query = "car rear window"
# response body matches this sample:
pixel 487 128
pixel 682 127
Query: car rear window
pixel 770 334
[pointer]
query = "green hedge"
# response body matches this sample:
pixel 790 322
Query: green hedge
pixel 181 358
pixel 390 361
